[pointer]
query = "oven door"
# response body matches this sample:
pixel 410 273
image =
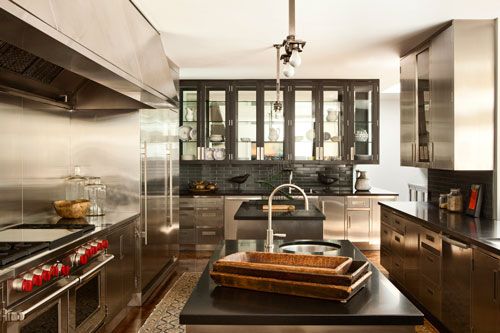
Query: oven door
pixel 87 308
pixel 45 312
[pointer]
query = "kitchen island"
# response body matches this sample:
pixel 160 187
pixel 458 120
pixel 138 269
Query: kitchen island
pixel 297 224
pixel 379 307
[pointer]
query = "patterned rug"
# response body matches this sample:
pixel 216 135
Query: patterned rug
pixel 165 316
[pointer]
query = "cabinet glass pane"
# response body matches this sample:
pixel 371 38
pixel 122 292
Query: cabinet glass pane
pixel 363 121
pixel 333 111
pixel 215 125
pixel 305 126
pixel 423 99
pixel 188 129
pixel 274 127
pixel 246 125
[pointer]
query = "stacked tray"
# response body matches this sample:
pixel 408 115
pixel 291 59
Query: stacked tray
pixel 326 277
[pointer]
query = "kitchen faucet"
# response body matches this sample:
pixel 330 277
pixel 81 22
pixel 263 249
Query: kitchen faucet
pixel 290 181
pixel 270 233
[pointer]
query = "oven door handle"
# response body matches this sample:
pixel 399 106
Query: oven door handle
pixel 98 266
pixel 21 315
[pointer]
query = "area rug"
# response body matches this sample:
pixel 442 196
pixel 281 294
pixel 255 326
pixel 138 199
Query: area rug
pixel 165 316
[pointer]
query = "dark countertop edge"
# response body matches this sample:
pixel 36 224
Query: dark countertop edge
pixel 439 228
pixel 354 320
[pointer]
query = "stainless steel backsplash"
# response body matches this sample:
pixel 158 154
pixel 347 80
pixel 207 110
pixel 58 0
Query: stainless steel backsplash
pixel 40 144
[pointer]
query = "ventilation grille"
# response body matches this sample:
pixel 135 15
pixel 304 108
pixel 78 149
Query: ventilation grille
pixel 26 64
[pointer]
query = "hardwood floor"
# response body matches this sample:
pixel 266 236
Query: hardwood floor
pixel 196 262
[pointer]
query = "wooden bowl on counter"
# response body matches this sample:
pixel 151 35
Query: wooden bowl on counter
pixel 72 209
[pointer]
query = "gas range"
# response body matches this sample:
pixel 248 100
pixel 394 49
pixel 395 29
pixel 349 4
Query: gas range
pixel 52 270
pixel 21 241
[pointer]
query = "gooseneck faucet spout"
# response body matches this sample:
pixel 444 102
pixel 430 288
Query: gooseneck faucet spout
pixel 270 233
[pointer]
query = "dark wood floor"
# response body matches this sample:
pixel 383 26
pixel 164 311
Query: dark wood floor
pixel 196 262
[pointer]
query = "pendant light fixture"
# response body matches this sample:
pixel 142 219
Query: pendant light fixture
pixel 291 57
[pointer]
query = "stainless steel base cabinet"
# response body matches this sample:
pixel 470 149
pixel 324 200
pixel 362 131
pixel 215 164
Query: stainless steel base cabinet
pixel 121 277
pixel 485 302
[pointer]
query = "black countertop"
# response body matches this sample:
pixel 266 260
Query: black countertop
pixel 380 303
pixel 478 231
pixel 252 210
pixel 373 192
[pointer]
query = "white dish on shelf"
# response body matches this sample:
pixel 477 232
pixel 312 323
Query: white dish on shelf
pixel 219 154
pixel 310 135
pixel 216 138
pixel 184 133
pixel 193 134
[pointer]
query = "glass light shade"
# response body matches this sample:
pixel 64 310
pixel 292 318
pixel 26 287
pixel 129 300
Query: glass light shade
pixel 295 59
pixel 288 71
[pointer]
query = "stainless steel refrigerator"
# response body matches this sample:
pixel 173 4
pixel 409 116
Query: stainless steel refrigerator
pixel 159 198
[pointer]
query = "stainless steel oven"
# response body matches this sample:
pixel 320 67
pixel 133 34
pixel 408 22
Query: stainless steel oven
pixel 72 304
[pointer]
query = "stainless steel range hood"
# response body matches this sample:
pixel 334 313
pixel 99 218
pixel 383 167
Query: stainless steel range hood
pixel 47 54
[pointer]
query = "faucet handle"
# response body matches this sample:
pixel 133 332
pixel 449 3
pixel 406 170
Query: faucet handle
pixel 280 235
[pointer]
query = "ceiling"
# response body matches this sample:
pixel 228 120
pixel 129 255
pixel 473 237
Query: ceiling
pixel 232 39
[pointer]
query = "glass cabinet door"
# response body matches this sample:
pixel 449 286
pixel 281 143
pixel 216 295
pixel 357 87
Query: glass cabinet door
pixel 332 110
pixel 188 131
pixel 423 98
pixel 246 125
pixel 305 126
pixel 274 127
pixel 363 121
pixel 215 122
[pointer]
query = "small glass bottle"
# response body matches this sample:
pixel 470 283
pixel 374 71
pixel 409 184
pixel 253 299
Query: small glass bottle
pixel 443 201
pixel 455 201
pixel 74 185
pixel 95 192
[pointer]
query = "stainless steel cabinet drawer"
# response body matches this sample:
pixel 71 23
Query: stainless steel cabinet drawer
pixel 207 235
pixel 397 268
pixel 356 202
pixel 431 238
pixel 186 202
pixel 398 223
pixel 215 202
pixel 209 217
pixel 186 219
pixel 430 296
pixel 385 236
pixel 187 236
pixel 430 264
pixel 398 244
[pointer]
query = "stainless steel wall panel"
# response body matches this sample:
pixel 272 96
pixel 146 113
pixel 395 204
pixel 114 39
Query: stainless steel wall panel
pixel 474 90
pixel 45 148
pixel 106 144
pixel 10 160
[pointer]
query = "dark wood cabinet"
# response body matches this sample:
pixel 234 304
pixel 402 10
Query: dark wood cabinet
pixel 325 121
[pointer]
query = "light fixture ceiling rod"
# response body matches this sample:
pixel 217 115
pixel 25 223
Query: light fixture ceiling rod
pixel 291 17
pixel 278 47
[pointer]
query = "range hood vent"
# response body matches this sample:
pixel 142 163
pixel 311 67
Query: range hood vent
pixel 26 64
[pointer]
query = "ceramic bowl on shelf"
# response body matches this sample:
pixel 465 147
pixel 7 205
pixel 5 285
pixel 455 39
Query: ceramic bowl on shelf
pixel 310 135
pixel 209 154
pixel 219 154
pixel 193 134
pixel 335 138
pixel 326 136
pixel 361 136
pixel 184 133
pixel 245 139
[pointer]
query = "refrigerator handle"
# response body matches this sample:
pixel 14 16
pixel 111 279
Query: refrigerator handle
pixel 170 189
pixel 145 185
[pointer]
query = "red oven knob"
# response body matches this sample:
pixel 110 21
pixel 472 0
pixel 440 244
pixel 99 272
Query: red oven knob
pixel 37 277
pixel 83 259
pixel 46 272
pixel 104 243
pixel 54 270
pixel 22 284
pixel 65 269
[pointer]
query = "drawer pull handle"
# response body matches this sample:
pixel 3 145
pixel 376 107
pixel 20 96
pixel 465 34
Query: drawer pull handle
pixel 386 232
pixel 430 291
pixel 429 238
pixel 430 259
pixel 397 222
pixel 208 233
pixel 397 239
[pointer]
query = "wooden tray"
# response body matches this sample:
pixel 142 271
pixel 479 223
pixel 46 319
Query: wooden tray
pixel 279 208
pixel 305 289
pixel 294 267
